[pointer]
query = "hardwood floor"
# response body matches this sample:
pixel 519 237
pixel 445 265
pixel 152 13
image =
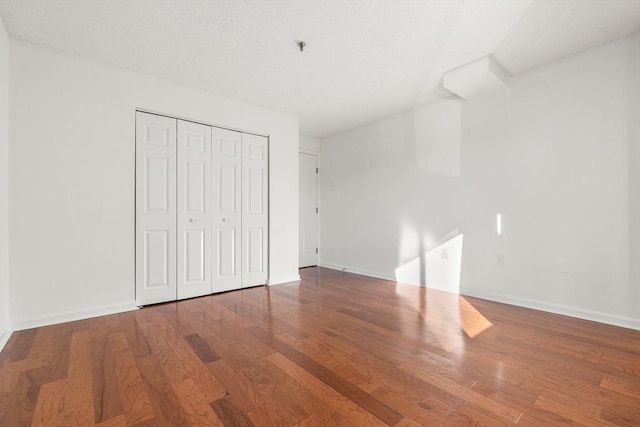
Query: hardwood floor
pixel 337 349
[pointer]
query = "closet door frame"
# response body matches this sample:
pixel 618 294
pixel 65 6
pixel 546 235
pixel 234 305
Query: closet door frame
pixel 242 277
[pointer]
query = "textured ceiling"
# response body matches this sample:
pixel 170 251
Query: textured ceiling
pixel 364 59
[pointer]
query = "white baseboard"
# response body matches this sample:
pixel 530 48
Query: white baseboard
pixel 4 338
pixel 283 280
pixel 355 270
pixel 70 316
pixel 580 313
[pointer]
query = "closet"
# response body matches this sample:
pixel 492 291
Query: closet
pixel 201 209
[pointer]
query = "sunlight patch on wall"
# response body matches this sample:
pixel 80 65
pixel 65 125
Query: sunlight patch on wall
pixel 443 265
pixel 437 268
pixel 410 244
pixel 410 272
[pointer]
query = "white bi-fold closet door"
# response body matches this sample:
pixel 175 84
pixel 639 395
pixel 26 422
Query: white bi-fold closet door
pixel 240 209
pixel 201 209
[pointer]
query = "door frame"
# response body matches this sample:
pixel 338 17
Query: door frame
pixel 135 193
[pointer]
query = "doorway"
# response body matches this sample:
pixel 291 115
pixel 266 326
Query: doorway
pixel 308 231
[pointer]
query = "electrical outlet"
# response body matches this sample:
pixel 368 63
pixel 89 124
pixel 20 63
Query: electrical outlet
pixel 500 260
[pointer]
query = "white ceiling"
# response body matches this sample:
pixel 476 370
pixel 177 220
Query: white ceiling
pixel 364 59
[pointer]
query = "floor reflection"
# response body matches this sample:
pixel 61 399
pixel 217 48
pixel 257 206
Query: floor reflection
pixel 447 316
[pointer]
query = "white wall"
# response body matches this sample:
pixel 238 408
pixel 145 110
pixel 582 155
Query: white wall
pixel 72 179
pixel 308 143
pixel 5 326
pixel 557 156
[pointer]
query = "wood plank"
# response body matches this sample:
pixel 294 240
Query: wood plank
pixel 195 405
pixel 202 349
pixel 238 388
pixel 137 340
pixel 266 415
pixel 119 421
pixel 229 414
pixel 166 407
pixel 79 376
pixel 106 395
pixel 407 422
pixel 135 399
pixel 570 412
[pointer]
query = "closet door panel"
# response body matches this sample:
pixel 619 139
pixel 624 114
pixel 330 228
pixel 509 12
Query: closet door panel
pixel 255 217
pixel 155 209
pixel 226 253
pixel 194 209
pixel 227 213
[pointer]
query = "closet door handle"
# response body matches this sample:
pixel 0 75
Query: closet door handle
pixel 225 219
pixel 193 220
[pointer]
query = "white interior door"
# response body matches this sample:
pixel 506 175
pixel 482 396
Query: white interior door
pixel 227 213
pixel 194 209
pixel 255 210
pixel 308 221
pixel 155 209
